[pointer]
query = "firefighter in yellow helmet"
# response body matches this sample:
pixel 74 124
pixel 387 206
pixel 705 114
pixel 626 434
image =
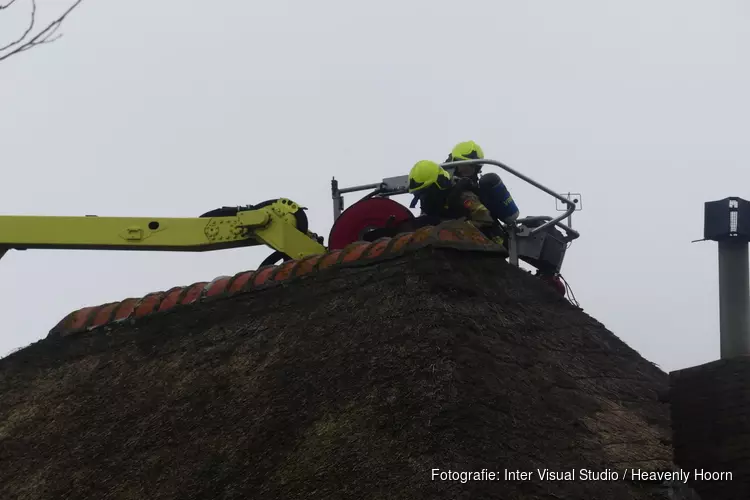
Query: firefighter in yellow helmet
pixel 468 150
pixel 443 197
pixel 490 187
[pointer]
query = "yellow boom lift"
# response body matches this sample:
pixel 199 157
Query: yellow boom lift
pixel 280 224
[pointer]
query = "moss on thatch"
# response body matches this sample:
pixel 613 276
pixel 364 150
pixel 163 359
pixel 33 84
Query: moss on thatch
pixel 351 384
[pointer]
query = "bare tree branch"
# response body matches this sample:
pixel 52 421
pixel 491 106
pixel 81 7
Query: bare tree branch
pixel 5 6
pixel 28 39
pixel 29 28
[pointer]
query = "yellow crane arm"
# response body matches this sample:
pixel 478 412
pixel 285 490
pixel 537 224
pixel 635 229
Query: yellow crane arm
pixel 269 225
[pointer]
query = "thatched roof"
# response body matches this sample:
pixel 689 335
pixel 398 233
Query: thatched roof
pixel 352 382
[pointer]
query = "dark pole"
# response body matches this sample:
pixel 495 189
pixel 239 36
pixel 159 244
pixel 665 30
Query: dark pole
pixel 734 298
pixel 727 221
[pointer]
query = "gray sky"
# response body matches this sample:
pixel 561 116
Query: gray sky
pixel 172 108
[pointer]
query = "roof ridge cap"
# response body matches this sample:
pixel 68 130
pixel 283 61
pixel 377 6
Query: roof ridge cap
pixel 454 234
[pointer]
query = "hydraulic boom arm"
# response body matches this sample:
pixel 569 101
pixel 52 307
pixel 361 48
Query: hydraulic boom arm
pixel 274 225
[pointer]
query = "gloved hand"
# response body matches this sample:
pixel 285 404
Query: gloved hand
pixel 499 240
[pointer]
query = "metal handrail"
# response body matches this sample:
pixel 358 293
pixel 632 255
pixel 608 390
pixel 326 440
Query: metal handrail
pixel 551 222
pixel 381 188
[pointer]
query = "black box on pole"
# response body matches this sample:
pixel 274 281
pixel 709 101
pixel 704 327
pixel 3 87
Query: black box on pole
pixel 727 219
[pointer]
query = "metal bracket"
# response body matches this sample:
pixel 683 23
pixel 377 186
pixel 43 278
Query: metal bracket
pixel 224 229
pixel 139 233
pixel 575 198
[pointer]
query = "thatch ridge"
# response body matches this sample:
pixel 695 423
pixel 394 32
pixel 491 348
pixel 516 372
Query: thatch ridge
pixel 449 234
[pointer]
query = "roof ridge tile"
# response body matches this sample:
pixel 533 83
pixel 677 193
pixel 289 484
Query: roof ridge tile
pixel 449 234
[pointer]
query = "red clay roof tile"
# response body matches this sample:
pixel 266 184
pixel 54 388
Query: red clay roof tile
pixel 171 298
pixel 450 234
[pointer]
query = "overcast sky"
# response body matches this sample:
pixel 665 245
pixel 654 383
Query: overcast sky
pixel 173 108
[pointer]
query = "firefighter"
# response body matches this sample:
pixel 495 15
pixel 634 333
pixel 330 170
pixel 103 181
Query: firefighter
pixel 450 198
pixel 492 191
pixel 468 150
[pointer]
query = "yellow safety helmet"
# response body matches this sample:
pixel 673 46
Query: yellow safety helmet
pixel 468 150
pixel 427 173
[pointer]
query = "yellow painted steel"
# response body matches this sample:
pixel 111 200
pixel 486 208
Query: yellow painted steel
pixel 269 226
